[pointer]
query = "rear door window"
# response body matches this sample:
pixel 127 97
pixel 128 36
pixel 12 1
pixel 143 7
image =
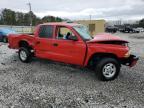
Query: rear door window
pixel 46 31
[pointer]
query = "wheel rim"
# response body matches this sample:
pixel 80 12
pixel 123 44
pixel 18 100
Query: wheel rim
pixel 109 70
pixel 23 55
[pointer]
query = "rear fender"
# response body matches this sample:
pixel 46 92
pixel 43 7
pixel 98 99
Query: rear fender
pixel 30 44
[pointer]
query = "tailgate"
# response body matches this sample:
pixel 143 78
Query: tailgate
pixel 13 41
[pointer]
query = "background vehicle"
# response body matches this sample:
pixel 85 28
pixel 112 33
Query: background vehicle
pixel 4 32
pixel 71 43
pixel 140 29
pixel 111 29
pixel 127 30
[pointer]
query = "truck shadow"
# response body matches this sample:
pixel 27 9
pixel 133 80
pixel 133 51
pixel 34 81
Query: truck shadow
pixel 63 67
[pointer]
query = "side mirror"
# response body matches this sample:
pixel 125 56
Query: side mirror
pixel 74 38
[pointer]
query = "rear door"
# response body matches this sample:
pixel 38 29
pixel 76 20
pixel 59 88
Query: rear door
pixel 43 42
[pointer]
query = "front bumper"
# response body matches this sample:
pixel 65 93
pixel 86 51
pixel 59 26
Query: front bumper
pixel 130 61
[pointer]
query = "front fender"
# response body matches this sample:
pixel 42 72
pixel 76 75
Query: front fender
pixel 91 52
pixel 117 50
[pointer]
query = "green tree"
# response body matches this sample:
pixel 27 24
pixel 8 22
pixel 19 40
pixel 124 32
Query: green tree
pixel 1 22
pixel 26 19
pixel 35 19
pixel 58 19
pixel 51 19
pixel 19 18
pixel 8 17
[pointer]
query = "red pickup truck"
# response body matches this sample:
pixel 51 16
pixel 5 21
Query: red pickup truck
pixel 71 43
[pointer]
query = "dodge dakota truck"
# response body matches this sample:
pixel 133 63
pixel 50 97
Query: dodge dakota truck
pixel 71 43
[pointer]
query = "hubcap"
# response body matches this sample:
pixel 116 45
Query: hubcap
pixel 23 55
pixel 109 70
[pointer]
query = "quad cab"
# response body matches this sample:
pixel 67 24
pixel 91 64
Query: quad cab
pixel 71 43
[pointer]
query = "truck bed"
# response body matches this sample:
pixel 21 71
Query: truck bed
pixel 14 40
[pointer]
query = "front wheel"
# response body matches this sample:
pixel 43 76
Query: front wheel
pixel 107 69
pixel 25 55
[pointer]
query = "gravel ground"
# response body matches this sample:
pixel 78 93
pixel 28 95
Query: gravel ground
pixel 46 84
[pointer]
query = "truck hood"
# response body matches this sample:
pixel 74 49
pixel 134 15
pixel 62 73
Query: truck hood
pixel 105 37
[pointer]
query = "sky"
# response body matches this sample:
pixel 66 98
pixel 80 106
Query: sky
pixel 80 9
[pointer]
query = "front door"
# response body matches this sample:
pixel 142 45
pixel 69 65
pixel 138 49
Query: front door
pixel 68 51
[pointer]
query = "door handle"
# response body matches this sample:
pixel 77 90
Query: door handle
pixel 55 44
pixel 38 42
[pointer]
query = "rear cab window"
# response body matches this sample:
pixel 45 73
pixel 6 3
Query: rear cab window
pixel 46 31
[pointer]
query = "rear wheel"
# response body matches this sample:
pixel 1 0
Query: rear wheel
pixel 5 39
pixel 25 55
pixel 107 69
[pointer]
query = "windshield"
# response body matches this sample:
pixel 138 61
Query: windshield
pixel 83 31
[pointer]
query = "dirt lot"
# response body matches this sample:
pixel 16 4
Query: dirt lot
pixel 46 84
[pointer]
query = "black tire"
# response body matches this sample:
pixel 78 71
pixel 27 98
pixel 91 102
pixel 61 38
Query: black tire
pixel 101 69
pixel 27 55
pixel 5 39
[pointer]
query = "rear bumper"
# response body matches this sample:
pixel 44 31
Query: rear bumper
pixel 131 61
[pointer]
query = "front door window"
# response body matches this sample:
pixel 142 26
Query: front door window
pixel 64 33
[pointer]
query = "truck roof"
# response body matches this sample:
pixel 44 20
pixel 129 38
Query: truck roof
pixel 62 24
